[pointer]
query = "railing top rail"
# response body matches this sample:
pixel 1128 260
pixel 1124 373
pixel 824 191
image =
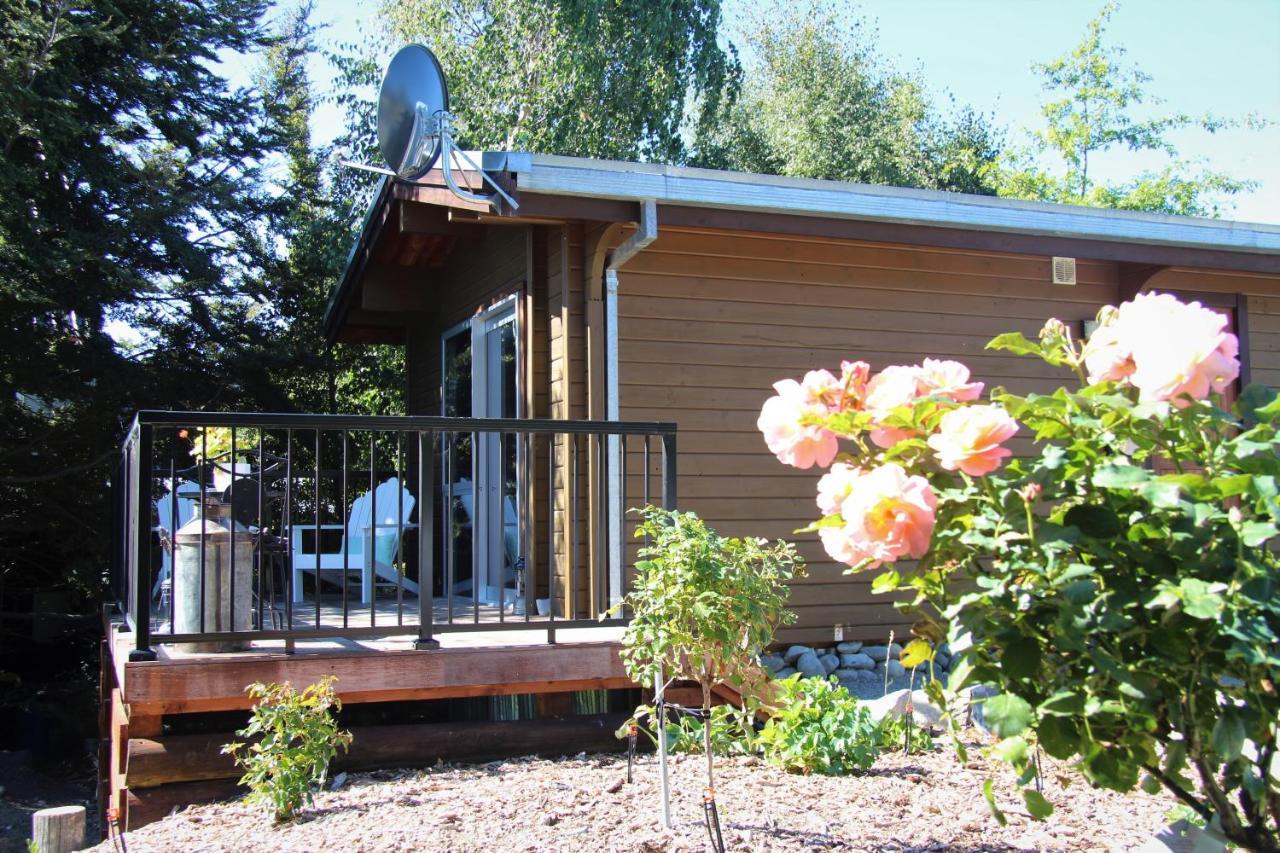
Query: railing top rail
pixel 401 423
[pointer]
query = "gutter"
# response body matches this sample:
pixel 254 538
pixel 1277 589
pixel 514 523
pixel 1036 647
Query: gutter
pixel 646 232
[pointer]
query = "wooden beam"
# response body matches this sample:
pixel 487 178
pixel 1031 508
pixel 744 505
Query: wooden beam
pixel 960 238
pixel 1132 279
pixel 199 758
pixel 420 218
pixel 217 684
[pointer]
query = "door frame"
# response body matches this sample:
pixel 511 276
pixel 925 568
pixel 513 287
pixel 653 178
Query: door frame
pixel 488 527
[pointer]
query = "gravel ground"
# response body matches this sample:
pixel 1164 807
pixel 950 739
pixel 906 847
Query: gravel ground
pixel 906 803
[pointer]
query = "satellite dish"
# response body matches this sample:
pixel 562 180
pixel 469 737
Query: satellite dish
pixel 415 127
pixel 414 93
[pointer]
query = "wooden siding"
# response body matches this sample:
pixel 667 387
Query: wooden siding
pixel 709 320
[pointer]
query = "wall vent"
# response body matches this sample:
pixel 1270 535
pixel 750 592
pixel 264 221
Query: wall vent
pixel 1064 270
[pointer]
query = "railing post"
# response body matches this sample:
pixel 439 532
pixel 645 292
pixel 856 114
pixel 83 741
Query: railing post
pixel 426 542
pixel 669 471
pixel 142 575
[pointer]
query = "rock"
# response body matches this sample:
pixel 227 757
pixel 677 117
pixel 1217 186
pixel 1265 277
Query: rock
pixel 850 648
pixel 862 683
pixel 616 786
pixel 773 663
pixel 785 672
pixel 975 696
pixel 857 661
pixel 894 705
pixel 829 662
pixel 338 781
pixel 941 660
pixel 895 669
pixel 809 666
pixel 793 654
pixel 878 653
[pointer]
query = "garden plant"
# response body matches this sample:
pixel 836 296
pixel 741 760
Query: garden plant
pixel 290 740
pixel 702 607
pixel 1115 580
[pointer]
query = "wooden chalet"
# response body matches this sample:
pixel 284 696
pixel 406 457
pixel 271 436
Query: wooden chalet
pixel 607 343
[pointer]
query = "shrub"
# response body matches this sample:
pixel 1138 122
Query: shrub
pixel 731 730
pixel 290 739
pixel 817 727
pixel 1119 585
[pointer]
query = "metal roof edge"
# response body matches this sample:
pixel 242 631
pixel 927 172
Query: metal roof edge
pixel 681 185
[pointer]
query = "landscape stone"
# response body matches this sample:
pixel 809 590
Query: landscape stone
pixel 895 669
pixel 773 663
pixel 862 683
pixel 809 666
pixel 793 654
pixel 882 652
pixel 830 662
pixel 851 647
pixel 856 661
pixel 785 672
pixel 975 695
pixel 894 705
pixel 942 659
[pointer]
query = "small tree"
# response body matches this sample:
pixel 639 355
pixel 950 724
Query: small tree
pixel 703 606
pixel 295 739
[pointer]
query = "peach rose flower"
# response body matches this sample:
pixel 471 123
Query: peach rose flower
pixel 897 385
pixel 835 486
pixel 796 443
pixel 888 515
pixel 969 439
pixel 948 379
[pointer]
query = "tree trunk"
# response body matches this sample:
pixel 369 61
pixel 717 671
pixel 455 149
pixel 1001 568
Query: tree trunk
pixel 58 830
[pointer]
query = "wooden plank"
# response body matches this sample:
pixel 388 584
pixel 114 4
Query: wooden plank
pixel 149 805
pixel 193 758
pixel 183 686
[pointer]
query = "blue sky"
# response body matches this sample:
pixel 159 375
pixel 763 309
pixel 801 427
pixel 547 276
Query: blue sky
pixel 1221 56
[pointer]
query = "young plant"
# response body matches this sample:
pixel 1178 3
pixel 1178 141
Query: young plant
pixel 1119 584
pixel 290 739
pixel 817 727
pixel 702 606
pixel 731 730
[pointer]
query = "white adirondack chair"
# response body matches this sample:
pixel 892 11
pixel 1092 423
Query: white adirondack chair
pixel 186 510
pixel 369 551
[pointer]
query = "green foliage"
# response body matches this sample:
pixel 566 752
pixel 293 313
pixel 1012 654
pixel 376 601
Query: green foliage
pixel 817 102
pixel 291 739
pixel 1094 99
pixel 817 727
pixel 732 732
pixel 702 604
pixel 1119 588
pixel 895 733
pixel 590 78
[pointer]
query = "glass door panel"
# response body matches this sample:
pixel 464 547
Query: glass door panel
pixel 458 474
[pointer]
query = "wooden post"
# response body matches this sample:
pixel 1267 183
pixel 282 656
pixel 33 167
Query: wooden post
pixel 58 830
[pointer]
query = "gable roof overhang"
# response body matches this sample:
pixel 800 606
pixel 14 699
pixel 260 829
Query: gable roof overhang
pixel 550 188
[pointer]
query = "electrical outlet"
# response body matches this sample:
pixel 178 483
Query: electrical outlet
pixel 839 632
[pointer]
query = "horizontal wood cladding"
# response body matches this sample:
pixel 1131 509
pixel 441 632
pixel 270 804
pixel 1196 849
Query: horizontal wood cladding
pixel 709 320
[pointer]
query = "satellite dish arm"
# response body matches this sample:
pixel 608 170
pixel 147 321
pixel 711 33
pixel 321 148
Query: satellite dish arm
pixel 446 161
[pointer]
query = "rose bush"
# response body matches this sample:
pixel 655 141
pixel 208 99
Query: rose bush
pixel 1130 618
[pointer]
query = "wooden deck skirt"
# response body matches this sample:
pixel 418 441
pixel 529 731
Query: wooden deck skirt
pixel 147 770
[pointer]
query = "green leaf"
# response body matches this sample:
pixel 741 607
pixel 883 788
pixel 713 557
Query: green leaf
pixel 1006 715
pixel 1092 520
pixel 1013 750
pixel 1120 476
pixel 1021 658
pixel 1200 599
pixel 1015 342
pixel 1228 735
pixel 1059 736
pixel 1037 806
pixel 1256 533
pixel 989 794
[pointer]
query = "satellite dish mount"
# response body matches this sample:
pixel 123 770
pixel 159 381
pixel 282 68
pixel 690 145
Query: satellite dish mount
pixel 415 127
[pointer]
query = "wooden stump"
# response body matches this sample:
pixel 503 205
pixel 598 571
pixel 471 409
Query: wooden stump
pixel 58 830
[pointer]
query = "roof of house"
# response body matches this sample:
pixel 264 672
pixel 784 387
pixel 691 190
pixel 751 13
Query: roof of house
pixel 764 200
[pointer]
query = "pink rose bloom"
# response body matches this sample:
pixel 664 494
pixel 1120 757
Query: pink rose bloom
pixel 821 387
pixel 836 485
pixel 1178 348
pixel 897 385
pixel 948 379
pixel 888 515
pixel 853 378
pixel 795 443
pixel 1106 357
pixel 969 439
